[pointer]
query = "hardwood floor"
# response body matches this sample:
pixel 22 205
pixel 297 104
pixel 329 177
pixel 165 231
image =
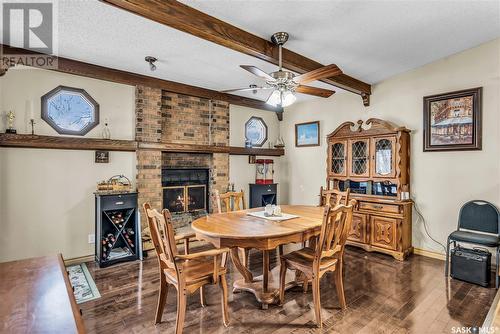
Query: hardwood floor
pixel 419 300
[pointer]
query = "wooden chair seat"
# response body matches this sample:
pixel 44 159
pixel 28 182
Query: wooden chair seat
pixel 195 271
pixel 304 258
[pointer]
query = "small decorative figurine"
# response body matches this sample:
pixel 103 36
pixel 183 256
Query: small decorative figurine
pixel 10 121
pixel 280 143
pixel 106 134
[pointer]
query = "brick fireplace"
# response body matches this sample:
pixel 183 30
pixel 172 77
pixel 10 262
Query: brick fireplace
pixel 165 117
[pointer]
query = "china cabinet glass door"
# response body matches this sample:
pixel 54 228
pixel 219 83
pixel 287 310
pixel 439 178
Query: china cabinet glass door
pixel 338 153
pixel 383 157
pixel 359 162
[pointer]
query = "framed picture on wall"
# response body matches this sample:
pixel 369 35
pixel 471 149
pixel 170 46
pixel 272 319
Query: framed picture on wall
pixel 452 121
pixel 307 134
pixel 102 157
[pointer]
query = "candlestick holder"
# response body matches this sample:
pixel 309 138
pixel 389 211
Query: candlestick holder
pixel 32 123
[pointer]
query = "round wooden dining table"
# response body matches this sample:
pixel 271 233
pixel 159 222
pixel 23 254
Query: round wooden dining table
pixel 238 229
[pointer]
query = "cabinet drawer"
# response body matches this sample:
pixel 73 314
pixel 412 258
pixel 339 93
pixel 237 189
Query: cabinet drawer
pixel 357 231
pixel 113 202
pixel 383 232
pixel 379 207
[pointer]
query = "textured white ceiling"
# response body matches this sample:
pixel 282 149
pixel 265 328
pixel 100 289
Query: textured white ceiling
pixel 370 40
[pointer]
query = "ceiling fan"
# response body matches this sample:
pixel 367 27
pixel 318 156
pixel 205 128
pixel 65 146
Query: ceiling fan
pixel 285 83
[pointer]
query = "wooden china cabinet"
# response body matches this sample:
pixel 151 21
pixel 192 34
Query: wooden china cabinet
pixel 373 160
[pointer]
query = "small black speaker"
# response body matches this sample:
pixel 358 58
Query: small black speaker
pixel 471 265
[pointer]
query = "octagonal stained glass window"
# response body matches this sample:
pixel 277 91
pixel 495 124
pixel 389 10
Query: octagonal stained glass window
pixel 70 111
pixel 256 131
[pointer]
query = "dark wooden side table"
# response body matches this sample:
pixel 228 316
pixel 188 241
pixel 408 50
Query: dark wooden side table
pixel 37 297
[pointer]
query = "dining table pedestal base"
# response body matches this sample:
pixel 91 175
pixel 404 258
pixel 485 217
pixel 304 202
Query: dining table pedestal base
pixel 271 296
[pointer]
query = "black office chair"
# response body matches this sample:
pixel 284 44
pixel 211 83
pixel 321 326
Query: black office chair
pixel 480 216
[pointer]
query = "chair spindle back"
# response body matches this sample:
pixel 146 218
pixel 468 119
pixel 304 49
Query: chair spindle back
pixel 162 234
pixel 333 197
pixel 334 230
pixel 237 199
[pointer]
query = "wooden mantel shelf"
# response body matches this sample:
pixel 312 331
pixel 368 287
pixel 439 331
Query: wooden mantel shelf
pixel 183 148
pixel 92 144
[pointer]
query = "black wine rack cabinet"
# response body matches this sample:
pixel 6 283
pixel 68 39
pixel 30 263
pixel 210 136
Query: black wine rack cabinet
pixel 117 229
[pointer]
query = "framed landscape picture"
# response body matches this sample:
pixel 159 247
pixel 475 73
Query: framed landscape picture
pixel 452 121
pixel 307 134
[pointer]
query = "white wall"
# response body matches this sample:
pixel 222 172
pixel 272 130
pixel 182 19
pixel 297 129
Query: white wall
pixel 46 196
pixel 441 181
pixel 241 173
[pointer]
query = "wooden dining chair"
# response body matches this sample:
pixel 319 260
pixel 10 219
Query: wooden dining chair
pixel 233 201
pixel 186 272
pixel 334 198
pixel 326 257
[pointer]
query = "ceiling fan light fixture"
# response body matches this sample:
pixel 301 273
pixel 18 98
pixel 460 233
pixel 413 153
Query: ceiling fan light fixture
pixel 281 98
pixel 287 98
pixel 275 98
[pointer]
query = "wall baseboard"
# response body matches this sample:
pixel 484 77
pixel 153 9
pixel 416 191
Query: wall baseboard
pixel 426 253
pixel 78 260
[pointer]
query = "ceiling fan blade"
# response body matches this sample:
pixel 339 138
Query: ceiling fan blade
pixel 318 74
pixel 321 92
pixel 244 89
pixel 257 71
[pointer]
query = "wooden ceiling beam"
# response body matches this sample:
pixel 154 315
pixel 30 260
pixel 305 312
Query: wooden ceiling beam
pixel 187 19
pixel 70 66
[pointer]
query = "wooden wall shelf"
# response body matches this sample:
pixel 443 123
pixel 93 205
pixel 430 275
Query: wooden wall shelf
pixel 74 143
pixel 66 143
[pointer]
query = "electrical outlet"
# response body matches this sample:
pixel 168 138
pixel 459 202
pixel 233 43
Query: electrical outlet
pixel 92 238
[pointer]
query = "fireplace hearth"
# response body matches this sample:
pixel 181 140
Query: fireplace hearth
pixel 185 189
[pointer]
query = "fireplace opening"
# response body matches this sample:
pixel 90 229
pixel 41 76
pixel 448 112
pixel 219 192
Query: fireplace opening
pixel 185 190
